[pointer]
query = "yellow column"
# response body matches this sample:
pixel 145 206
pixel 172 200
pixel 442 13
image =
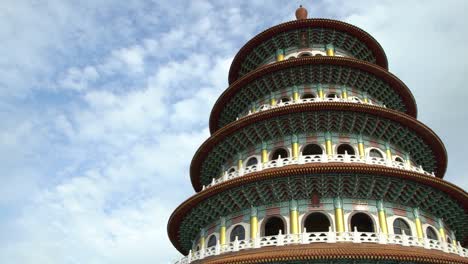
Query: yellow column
pixel 294 217
pixel 407 159
pixel 330 50
pixel 202 239
pixel 272 99
pixel 454 240
pixel 253 223
pixel 441 230
pixel 222 231
pixel 295 94
pixel 264 153
pixel 388 151
pixel 328 143
pixel 280 55
pixel 295 147
pixel 382 217
pixel 362 154
pixel 417 221
pixel 366 100
pixel 320 92
pixel 339 215
pixel 344 93
pixel 239 162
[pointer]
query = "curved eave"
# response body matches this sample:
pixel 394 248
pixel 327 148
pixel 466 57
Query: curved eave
pixel 327 252
pixel 313 168
pixel 422 130
pixel 377 71
pixel 366 38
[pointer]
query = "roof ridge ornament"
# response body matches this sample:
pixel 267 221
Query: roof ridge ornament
pixel 301 13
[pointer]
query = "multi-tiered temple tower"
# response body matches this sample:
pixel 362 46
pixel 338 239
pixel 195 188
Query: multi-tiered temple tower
pixel 316 156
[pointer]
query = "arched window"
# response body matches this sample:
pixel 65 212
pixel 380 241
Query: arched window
pixel 212 241
pixel 273 225
pixel 285 99
pixel 398 159
pixel 252 161
pixel 292 57
pixel 374 153
pixel 279 152
pixel 231 170
pixel 318 55
pixel 431 233
pixel 306 54
pixel 363 222
pixel 332 95
pixel 400 225
pixel 317 222
pixel 308 96
pixel 345 148
pixel 239 232
pixel 312 149
pixel 197 248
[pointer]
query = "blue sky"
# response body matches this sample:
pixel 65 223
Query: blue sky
pixel 103 104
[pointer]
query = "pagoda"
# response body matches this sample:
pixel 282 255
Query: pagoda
pixel 316 156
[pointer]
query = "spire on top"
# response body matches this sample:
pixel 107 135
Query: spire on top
pixel 301 13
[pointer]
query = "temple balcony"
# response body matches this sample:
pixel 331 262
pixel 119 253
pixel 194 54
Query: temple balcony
pixel 306 238
pixel 321 158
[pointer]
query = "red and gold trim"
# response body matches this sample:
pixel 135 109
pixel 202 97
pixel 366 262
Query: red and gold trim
pixel 386 76
pixel 311 168
pixel 324 251
pixel 366 38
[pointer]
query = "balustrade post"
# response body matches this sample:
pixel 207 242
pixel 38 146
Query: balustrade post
pixel 218 248
pixel 202 253
pixel 331 236
pixel 260 166
pixel 460 249
pixel 225 176
pixel 280 239
pixel 346 158
pixel 427 244
pixel 356 236
pixel 404 239
pixel 301 158
pixel 256 241
pixel 189 257
pixel 213 182
pixel 445 246
pixel 279 162
pixel 382 237
pixel 324 158
pixel 236 244
pixel 304 236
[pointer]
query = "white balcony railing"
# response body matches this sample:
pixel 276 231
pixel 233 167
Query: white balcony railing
pixel 324 237
pixel 351 99
pixel 323 158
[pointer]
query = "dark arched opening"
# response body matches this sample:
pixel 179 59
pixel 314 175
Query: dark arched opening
pixel 431 233
pixel 398 159
pixel 312 149
pixel 332 95
pixel 252 161
pixel 374 153
pixel 305 55
pixel 279 152
pixel 345 148
pixel 239 232
pixel 231 170
pixel 308 96
pixel 212 241
pixel 273 225
pixel 285 99
pixel 363 222
pixel 317 222
pixel 400 225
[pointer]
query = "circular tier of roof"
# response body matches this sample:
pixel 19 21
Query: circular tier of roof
pixel 343 71
pixel 330 253
pixel 365 182
pixel 392 126
pixel 343 35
